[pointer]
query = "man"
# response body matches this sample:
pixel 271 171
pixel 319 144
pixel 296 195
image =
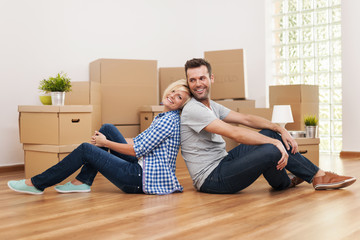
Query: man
pixel 213 170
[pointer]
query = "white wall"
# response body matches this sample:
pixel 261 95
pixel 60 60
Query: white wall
pixel 351 74
pixel 39 38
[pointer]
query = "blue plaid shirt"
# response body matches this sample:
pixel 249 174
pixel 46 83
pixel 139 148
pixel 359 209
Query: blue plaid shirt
pixel 158 146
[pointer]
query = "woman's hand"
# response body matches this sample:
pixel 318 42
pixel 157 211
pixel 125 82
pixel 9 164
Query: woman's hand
pixel 98 139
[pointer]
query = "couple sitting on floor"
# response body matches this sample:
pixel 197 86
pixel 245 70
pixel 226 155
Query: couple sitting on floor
pixel 146 163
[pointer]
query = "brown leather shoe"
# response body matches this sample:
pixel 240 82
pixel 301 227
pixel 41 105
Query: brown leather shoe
pixel 294 180
pixel 332 181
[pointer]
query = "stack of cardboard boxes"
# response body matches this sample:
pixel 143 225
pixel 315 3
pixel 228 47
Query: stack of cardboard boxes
pixel 49 133
pixel 304 100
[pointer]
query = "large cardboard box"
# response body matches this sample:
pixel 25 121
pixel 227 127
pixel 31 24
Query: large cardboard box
pixel 228 67
pixel 167 76
pixel 234 104
pixel 39 158
pixel 309 148
pixel 55 125
pixel 129 131
pixel 126 85
pixel 87 93
pixel 260 112
pixel 303 99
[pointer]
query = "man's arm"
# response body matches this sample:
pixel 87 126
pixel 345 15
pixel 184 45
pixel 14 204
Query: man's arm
pixel 246 136
pixel 262 123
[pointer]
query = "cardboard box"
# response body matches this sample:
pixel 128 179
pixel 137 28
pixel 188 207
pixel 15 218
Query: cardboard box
pixel 299 93
pixel 228 67
pixel 303 99
pixel 236 104
pixel 87 93
pixel 55 125
pixel 309 148
pixel 147 115
pixel 129 131
pixel 39 158
pixel 167 76
pixel 126 85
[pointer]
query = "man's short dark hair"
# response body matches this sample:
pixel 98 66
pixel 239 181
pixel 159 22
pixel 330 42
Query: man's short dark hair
pixel 197 62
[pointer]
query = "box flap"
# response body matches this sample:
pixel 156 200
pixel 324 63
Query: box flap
pixel 50 148
pixel 151 108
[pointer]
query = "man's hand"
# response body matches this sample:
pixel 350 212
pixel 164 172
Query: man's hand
pixel 289 141
pixel 98 139
pixel 284 155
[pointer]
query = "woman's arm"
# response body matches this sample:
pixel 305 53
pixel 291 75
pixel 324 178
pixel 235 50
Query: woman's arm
pixel 100 140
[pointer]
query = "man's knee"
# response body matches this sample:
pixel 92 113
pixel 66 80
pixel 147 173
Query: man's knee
pixel 271 152
pixel 106 127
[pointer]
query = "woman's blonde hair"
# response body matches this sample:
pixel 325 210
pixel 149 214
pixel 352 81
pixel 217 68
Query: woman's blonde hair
pixel 180 85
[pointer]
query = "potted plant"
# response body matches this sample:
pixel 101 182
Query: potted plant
pixel 57 86
pixel 311 126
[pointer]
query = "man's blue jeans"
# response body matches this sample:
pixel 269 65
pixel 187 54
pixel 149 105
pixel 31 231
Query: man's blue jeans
pixel 122 170
pixel 245 163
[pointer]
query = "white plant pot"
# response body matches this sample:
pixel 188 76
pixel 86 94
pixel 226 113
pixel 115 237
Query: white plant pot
pixel 58 98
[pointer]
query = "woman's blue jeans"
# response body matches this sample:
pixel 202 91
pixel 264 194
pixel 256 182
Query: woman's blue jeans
pixel 122 170
pixel 245 163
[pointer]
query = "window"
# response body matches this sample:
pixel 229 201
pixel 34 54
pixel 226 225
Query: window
pixel 306 44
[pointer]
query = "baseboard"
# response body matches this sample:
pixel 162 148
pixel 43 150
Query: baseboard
pixel 13 168
pixel 344 154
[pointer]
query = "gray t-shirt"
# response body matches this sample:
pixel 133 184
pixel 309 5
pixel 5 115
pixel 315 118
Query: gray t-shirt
pixel 201 150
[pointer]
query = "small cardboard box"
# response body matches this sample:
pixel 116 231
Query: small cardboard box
pixel 167 76
pixel 39 158
pixel 303 99
pixel 126 85
pixel 87 93
pixel 147 115
pixel 129 131
pixel 55 125
pixel 309 148
pixel 236 104
pixel 228 67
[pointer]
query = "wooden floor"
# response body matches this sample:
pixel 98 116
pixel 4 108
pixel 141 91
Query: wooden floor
pixel 255 213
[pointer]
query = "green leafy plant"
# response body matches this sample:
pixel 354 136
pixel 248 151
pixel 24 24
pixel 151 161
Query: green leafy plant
pixel 59 83
pixel 311 120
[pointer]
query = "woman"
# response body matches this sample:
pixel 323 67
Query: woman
pixel 145 164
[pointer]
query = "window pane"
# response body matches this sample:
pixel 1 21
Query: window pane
pixel 307 35
pixel 307 4
pixel 336 144
pixel 324 128
pixel 292 5
pixel 323 64
pixel 336 96
pixel 308 65
pixel 336 128
pixel 324 112
pixel 321 3
pixel 323 48
pixel 336 80
pixel 324 95
pixel 322 33
pixel 336 14
pixel 308 50
pixel 309 79
pixel 322 17
pixel 325 144
pixel 336 30
pixel 293 20
pixel 336 47
pixel 324 80
pixel 337 112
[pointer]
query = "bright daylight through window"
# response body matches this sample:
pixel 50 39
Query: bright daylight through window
pixel 306 44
